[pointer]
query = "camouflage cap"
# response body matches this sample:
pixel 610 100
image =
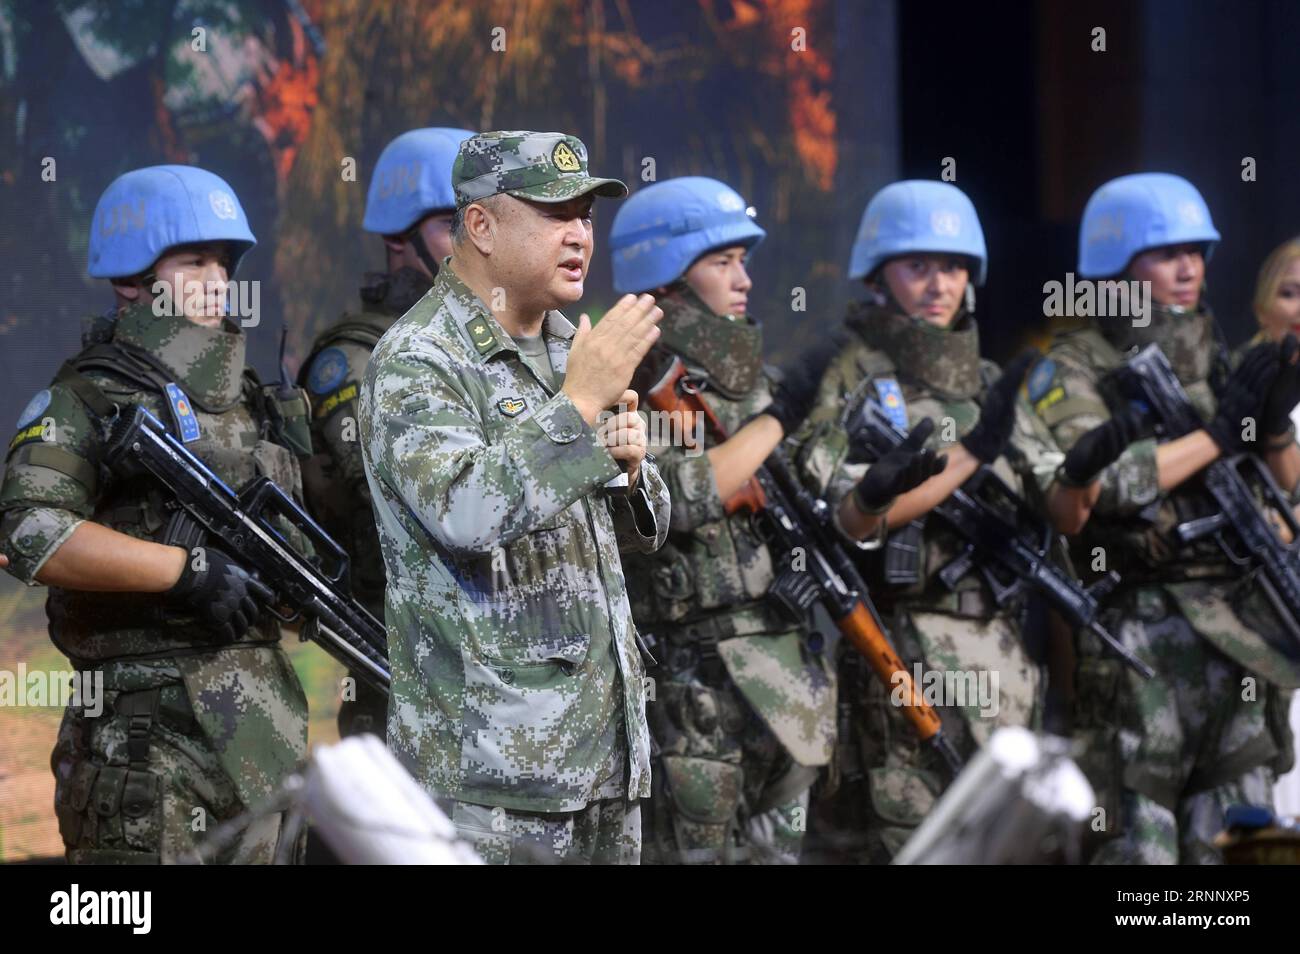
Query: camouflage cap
pixel 541 166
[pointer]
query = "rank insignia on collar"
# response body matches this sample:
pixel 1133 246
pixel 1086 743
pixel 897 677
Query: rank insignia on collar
pixel 511 406
pixel 481 335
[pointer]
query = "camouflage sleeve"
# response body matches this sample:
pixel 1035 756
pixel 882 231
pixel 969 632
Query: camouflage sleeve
pixel 336 488
pixel 820 450
pixel 641 519
pixel 339 435
pixel 821 453
pixel 334 411
pixel 426 442
pixel 821 456
pixel 1070 404
pixel 1036 446
pixel 50 483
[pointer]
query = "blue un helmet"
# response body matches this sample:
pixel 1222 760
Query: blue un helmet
pixel 660 231
pixel 1134 213
pixel 917 215
pixel 145 212
pixel 412 179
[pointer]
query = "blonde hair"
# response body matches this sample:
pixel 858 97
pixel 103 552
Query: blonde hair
pixel 1270 275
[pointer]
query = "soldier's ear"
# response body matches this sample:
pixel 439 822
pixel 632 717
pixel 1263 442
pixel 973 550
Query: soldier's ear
pixel 480 227
pixel 126 290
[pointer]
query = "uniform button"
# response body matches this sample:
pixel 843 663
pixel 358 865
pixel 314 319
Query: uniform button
pixel 508 676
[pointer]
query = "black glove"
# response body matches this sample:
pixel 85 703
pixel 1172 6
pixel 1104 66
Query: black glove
pixel 988 439
pixel 905 467
pixel 1101 447
pixel 1284 395
pixel 223 595
pixel 1243 396
pixel 794 396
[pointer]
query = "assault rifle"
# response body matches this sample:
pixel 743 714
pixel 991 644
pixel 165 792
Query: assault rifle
pixel 801 524
pixel 138 443
pixel 1005 540
pixel 1240 528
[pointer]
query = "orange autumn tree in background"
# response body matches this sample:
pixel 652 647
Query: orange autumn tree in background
pixel 737 90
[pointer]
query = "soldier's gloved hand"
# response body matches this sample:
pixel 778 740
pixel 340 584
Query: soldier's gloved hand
pixel 988 439
pixel 794 396
pixel 904 468
pixel 221 593
pixel 1100 447
pixel 1243 397
pixel 1284 395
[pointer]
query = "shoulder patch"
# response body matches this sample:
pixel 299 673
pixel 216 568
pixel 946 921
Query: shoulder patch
pixel 34 409
pixel 1040 379
pixel 26 435
pixel 1053 396
pixel 336 400
pixel 327 371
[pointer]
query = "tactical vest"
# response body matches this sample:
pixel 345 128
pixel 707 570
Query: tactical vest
pixel 906 570
pixel 260 433
pixel 719 565
pixel 706 594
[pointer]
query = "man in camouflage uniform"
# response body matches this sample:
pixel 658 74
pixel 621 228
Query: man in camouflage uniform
pixel 743 714
pixel 915 350
pixel 410 204
pixel 518 685
pixel 1168 756
pixel 203 716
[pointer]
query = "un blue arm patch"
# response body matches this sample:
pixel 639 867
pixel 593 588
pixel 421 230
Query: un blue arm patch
pixel 37 406
pixel 327 371
pixel 1040 380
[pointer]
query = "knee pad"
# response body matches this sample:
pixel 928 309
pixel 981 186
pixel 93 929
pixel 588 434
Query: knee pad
pixel 701 799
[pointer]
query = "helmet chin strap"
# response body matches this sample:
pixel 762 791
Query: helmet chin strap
pixel 879 295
